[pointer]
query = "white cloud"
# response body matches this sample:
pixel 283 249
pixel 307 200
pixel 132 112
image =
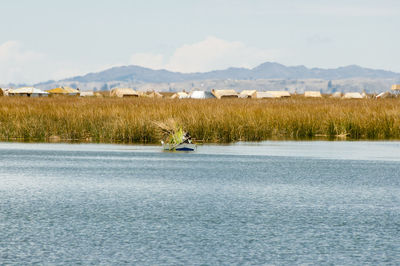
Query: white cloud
pixel 21 65
pixel 12 50
pixel 154 61
pixel 18 64
pixel 211 54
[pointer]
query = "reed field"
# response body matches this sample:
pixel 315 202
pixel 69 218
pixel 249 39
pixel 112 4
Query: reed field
pixel 133 120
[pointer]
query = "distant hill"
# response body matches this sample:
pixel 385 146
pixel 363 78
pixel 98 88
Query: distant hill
pixel 263 77
pixel 268 70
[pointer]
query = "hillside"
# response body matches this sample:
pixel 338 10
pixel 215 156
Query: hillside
pixel 136 76
pixel 264 71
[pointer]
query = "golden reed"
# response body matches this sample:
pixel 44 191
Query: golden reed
pixel 132 120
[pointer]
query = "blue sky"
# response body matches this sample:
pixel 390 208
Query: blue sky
pixel 47 39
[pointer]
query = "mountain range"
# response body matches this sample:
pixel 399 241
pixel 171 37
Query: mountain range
pixel 267 76
pixel 268 70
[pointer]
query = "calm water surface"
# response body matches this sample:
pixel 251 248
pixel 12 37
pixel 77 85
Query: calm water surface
pixel 248 203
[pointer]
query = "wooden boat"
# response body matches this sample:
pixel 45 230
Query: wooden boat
pixel 179 147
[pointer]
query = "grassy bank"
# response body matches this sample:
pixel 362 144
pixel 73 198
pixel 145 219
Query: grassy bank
pixel 132 120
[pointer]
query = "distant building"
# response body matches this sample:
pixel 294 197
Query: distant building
pixel 27 92
pixel 64 91
pixel 222 94
pixel 87 94
pixel 248 94
pixel 265 95
pixel 312 94
pixel 154 94
pixel 336 95
pixel 352 95
pixel 396 87
pixel 180 95
pixel 123 92
pixel 279 94
pixel 201 95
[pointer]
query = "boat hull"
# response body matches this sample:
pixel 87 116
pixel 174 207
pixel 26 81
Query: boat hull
pixel 180 147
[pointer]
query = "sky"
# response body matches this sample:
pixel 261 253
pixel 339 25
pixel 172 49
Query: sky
pixel 45 39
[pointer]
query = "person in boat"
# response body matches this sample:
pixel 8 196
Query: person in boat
pixel 187 138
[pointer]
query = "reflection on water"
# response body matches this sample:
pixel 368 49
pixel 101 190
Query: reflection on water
pixel 258 203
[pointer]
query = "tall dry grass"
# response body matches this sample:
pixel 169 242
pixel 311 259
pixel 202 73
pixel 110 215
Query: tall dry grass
pixel 132 120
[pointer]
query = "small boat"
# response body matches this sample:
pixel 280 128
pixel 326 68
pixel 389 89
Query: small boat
pixel 179 147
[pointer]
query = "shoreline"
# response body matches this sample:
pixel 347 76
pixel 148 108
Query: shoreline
pixel 313 139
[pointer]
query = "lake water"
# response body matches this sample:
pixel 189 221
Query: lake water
pixel 249 203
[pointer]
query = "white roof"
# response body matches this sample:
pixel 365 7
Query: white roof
pixel 27 90
pixel 180 95
pixel 352 95
pixel 121 92
pixel 396 87
pixel 86 93
pixel 201 95
pixel 264 94
pixel 279 94
pixel 224 93
pixel 336 95
pixel 248 93
pixel 312 94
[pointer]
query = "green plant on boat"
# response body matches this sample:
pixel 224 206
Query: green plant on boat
pixel 170 131
pixel 176 137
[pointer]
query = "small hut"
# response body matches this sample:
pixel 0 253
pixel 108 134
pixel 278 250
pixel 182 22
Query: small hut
pixel 279 94
pixel 28 92
pixel 336 95
pixel 265 95
pixel 166 94
pixel 87 94
pixel 201 95
pixel 180 95
pixel 5 91
pixel 123 92
pixel 154 94
pixel 248 94
pixel 64 91
pixel 312 94
pixel 352 95
pixel 223 94
pixel 396 87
